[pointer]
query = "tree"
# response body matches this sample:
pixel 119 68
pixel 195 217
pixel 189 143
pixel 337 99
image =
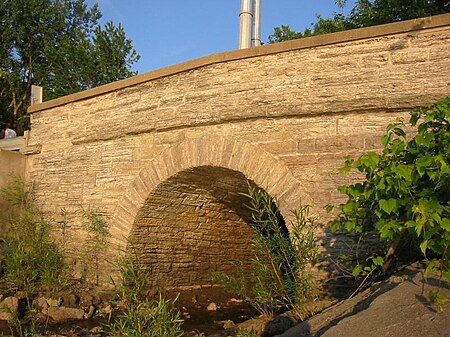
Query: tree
pixel 60 45
pixel 367 13
pixel 285 33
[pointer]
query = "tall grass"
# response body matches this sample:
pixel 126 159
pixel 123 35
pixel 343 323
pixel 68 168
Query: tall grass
pixel 139 316
pixel 31 259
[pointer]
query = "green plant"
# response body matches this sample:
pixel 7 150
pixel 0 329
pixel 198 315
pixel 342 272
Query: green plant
pixel 97 234
pixel 279 277
pixel 405 196
pixel 30 256
pixel 140 317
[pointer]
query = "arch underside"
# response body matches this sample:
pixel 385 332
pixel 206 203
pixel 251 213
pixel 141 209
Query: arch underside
pixel 184 215
pixel 193 224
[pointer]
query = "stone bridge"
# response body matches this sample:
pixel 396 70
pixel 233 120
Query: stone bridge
pixel 164 156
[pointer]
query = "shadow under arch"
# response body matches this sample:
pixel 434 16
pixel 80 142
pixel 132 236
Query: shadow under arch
pixel 193 224
pixel 217 153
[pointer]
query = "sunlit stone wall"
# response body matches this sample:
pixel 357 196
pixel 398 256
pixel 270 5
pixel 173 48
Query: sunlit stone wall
pixel 281 115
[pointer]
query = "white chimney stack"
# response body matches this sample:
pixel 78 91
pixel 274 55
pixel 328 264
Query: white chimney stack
pixel 246 19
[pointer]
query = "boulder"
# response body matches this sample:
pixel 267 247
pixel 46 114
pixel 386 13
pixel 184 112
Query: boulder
pixel 63 314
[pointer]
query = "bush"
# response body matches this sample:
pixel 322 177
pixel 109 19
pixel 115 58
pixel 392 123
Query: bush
pixel 31 258
pixel 279 278
pixel 405 196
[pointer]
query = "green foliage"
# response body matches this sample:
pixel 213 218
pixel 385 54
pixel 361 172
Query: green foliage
pixel 57 44
pixel 31 258
pixel 141 317
pixel 147 319
pixel 285 33
pixel 366 13
pixel 97 234
pixel 369 13
pixel 280 275
pixel 405 196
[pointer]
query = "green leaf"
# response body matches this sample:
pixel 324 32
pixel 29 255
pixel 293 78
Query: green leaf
pixel 350 207
pixel 378 261
pixel 410 224
pixel 385 140
pixel 438 300
pixel 396 130
pixel 424 140
pixel 370 160
pixel 430 267
pixel 357 270
pixel 423 247
pixel 423 163
pixel 403 171
pixel 390 205
pixel 445 224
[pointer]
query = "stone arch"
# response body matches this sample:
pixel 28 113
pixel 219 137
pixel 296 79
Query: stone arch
pixel 194 223
pixel 257 165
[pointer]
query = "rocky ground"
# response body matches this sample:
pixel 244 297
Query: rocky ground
pixel 398 306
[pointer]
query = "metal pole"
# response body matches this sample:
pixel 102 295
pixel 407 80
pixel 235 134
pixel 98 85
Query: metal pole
pixel 246 18
pixel 256 36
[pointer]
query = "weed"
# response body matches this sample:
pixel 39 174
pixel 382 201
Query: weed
pixel 280 276
pixel 97 235
pixel 31 258
pixel 141 317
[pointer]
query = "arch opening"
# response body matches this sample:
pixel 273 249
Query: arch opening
pixel 193 224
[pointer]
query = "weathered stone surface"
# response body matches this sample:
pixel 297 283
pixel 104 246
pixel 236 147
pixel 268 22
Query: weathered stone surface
pixel 396 307
pixel 283 119
pixel 63 314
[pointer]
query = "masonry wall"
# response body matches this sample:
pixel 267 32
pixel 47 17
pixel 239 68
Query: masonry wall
pixel 281 115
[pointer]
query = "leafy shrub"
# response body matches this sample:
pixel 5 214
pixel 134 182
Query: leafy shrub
pixel 405 196
pixel 30 256
pixel 279 277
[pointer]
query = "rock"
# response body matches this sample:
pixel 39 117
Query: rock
pixel 212 307
pixel 256 324
pixel 278 325
pixel 387 308
pixel 69 300
pixel 88 299
pixel 21 295
pixel 63 314
pixel 228 324
pixel 234 300
pixel 185 313
pixel 40 303
pixel 52 302
pixel 9 308
pixel 107 309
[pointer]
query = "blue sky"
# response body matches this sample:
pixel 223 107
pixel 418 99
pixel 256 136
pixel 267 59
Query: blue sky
pixel 167 32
